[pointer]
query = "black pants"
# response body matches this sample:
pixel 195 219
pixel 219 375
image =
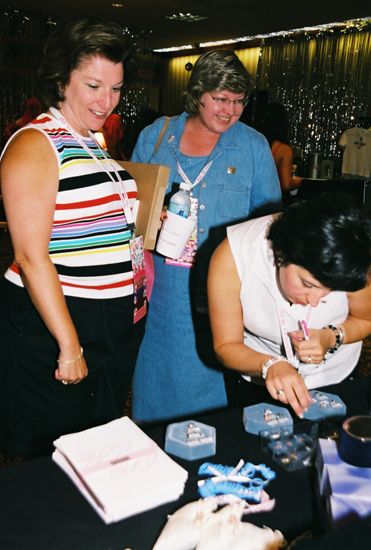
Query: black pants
pixel 35 409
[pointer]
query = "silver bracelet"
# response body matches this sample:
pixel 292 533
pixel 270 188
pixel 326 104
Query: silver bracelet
pixel 269 362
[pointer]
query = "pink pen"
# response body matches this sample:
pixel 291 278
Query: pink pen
pixel 304 328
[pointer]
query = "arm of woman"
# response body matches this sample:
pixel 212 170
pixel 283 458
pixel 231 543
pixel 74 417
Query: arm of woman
pixel 226 320
pixel 266 196
pixel 29 179
pixel 146 142
pixel 356 327
pixel 226 313
pixel 284 161
pixel 358 324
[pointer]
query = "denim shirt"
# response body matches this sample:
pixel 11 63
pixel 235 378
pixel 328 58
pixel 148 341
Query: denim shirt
pixel 241 182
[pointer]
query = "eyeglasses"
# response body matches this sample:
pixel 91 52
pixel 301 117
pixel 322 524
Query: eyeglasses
pixel 225 102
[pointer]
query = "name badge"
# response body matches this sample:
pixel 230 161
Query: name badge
pixel 139 278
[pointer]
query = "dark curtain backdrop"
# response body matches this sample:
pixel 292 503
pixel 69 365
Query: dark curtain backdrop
pixel 323 80
pixel 22 36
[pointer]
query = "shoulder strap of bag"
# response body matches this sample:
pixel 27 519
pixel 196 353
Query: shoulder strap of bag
pixel 161 135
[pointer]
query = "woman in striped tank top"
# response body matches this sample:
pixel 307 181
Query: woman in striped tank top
pixel 68 337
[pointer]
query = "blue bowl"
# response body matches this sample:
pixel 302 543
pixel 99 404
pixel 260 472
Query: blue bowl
pixel 355 441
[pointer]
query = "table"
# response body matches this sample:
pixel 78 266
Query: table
pixel 40 508
pixel 359 188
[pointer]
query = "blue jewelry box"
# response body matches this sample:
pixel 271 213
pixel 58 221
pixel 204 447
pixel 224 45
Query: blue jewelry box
pixel 264 416
pixel 190 440
pixel 325 405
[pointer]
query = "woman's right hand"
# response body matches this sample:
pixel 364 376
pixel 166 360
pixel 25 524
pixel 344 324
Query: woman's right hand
pixel 285 384
pixel 30 180
pixel 163 215
pixel 315 347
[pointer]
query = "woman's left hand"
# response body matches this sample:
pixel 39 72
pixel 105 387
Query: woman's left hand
pixel 71 372
pixel 312 350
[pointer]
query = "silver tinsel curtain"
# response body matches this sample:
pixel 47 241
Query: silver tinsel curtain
pixel 324 82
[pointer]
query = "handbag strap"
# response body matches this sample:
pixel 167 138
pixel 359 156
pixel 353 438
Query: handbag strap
pixel 161 135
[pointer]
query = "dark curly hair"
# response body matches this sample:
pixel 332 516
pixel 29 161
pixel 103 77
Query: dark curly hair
pixel 69 46
pixel 330 236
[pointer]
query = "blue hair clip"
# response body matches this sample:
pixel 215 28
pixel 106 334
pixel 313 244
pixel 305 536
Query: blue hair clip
pixel 245 481
pixel 210 489
pixel 266 472
pixel 211 469
pixel 247 470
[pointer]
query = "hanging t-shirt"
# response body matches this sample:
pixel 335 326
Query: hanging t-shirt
pixel 357 152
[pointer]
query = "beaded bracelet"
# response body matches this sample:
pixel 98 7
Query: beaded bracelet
pixel 339 339
pixel 72 360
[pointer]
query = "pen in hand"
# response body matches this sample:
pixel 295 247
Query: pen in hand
pixel 304 328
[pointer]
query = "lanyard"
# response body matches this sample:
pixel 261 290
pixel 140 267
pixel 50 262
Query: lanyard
pixel 284 331
pixel 118 183
pixel 200 176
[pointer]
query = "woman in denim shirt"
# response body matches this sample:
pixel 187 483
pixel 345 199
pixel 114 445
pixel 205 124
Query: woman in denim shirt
pixel 234 177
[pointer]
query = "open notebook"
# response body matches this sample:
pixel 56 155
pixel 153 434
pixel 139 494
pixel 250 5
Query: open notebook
pixel 119 469
pixel 151 180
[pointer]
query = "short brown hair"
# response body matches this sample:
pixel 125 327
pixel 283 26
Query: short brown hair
pixel 216 70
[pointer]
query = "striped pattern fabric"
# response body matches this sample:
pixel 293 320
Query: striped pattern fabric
pixel 89 244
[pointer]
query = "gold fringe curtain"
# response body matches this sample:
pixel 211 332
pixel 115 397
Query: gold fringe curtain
pixel 177 78
pixel 323 81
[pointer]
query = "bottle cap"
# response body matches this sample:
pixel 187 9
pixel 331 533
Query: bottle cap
pixel 185 186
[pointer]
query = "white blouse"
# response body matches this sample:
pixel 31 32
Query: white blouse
pixel 263 306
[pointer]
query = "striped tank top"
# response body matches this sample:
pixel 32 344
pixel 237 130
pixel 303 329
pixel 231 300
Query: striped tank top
pixel 89 243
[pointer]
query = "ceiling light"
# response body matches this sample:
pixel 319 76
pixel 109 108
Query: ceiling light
pixel 174 48
pixel 117 5
pixel 185 17
pixel 356 23
pixel 325 27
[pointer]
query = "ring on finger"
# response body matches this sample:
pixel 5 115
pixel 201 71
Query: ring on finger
pixel 309 360
pixel 279 392
pixel 65 382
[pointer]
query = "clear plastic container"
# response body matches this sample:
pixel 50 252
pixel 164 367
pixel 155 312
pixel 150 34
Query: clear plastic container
pixel 180 202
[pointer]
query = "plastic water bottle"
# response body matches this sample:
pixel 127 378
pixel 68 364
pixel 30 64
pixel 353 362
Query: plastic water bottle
pixel 180 202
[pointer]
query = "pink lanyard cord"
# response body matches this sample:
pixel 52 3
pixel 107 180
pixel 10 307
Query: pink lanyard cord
pixel 284 332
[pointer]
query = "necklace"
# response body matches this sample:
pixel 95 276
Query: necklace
pixel 118 182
